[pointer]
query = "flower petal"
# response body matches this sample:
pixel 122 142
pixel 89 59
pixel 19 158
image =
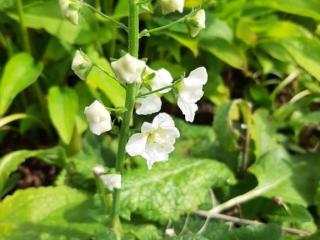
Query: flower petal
pixel 136 144
pixel 188 109
pixel 163 120
pixel 149 105
pixel 196 78
pixel 162 79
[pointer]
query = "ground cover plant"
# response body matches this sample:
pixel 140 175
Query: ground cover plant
pixel 140 119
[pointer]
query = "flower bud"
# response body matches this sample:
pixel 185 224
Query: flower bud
pixel 169 6
pixel 98 117
pixel 111 181
pixel 196 22
pixel 128 69
pixel 81 64
pixel 70 10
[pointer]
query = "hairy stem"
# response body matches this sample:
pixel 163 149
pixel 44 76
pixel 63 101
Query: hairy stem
pixel 133 49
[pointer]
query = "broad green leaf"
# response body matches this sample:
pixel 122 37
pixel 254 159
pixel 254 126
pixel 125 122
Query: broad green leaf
pixel 217 230
pixel 225 51
pixel 171 188
pixel 306 8
pixel 111 88
pixel 19 73
pixel 50 213
pixel 206 140
pixel 10 162
pixel 292 178
pixel 47 15
pixel 63 107
pixel 305 52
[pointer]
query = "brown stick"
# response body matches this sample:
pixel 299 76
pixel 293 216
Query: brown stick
pixel 242 221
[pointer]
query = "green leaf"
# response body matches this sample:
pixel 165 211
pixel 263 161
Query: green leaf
pixel 305 52
pixel 63 107
pixel 292 178
pixel 10 162
pixel 186 41
pixel 306 8
pixel 225 51
pixel 263 133
pixel 19 73
pixel 172 188
pixel 50 213
pixel 217 230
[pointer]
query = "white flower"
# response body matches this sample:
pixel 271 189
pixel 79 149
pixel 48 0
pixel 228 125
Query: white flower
pixel 98 117
pixel 98 170
pixel 170 232
pixel 155 141
pixel 81 64
pixel 169 6
pixel 128 69
pixel 196 22
pixel 70 10
pixel 152 103
pixel 111 181
pixel 190 92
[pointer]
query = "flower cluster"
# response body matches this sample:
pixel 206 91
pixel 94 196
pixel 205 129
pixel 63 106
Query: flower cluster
pixel 156 140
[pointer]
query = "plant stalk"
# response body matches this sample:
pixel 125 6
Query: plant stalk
pixel 23 29
pixel 27 47
pixel 133 49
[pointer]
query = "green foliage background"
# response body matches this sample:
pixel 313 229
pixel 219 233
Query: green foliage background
pixel 260 141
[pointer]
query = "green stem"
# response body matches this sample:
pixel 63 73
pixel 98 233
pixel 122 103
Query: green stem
pixel 130 97
pixel 159 89
pixel 147 32
pixel 24 30
pixel 27 47
pixel 119 24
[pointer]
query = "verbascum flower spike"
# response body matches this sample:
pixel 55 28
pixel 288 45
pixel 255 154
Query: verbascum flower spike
pixel 81 65
pixel 168 6
pixel 152 103
pixel 70 10
pixel 128 69
pixel 196 22
pixel 190 91
pixel 98 117
pixel 156 140
pixel 111 181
